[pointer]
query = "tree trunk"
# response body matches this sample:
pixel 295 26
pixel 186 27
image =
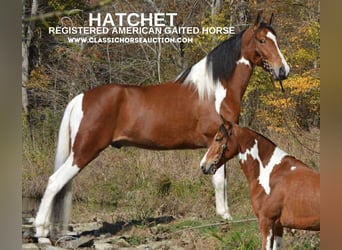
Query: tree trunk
pixel 216 7
pixel 27 35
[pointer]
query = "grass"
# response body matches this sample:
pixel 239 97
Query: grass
pixel 134 183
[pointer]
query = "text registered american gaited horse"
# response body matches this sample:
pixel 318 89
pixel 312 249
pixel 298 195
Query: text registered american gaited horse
pixel 284 191
pixel 180 114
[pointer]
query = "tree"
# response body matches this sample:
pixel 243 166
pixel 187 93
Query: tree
pixel 27 31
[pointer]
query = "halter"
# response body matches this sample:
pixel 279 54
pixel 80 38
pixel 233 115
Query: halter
pixel 224 146
pixel 267 66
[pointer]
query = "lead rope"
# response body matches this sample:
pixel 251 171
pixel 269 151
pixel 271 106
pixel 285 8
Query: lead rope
pixel 288 125
pixel 225 186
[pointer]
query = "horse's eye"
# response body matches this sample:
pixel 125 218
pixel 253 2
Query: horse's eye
pixel 218 139
pixel 262 41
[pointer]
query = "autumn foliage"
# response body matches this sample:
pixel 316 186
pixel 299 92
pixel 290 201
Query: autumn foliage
pixel 59 70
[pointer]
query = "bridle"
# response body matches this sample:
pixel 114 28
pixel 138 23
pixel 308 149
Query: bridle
pixel 268 67
pixel 224 146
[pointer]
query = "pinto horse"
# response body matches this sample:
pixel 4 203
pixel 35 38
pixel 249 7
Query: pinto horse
pixel 284 191
pixel 153 117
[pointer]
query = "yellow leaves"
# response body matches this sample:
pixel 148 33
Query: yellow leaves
pixel 301 102
pixel 38 78
pixel 302 85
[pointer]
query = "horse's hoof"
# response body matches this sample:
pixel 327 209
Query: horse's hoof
pixel 227 216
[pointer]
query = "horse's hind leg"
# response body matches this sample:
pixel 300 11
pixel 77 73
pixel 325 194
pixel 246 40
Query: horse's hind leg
pixel 219 180
pixel 56 182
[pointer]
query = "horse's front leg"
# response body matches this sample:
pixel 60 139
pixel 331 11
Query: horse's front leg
pixel 267 234
pixel 277 236
pixel 219 180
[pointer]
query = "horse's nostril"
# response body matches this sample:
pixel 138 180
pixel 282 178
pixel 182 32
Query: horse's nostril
pixel 282 73
pixel 203 168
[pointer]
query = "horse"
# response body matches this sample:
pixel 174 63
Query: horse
pixel 153 116
pixel 284 191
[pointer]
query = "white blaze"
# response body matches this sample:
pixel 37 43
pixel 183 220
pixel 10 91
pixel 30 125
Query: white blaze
pixel 273 38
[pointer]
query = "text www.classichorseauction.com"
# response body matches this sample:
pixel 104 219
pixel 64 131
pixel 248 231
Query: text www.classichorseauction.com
pixel 133 28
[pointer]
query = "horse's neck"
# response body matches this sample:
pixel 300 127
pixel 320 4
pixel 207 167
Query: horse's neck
pixel 249 159
pixel 259 158
pixel 240 79
pixel 235 88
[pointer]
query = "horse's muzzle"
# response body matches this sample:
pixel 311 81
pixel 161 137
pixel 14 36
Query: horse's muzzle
pixel 282 75
pixel 210 169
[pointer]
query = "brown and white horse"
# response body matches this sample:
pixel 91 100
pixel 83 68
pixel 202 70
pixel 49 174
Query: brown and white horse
pixel 284 191
pixel 154 117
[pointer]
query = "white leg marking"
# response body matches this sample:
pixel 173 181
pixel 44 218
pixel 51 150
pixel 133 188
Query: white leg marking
pixel 243 60
pixel 268 240
pixel 273 38
pixel 220 184
pixel 56 182
pixel 277 243
pixel 220 94
pixel 64 171
pixel 264 172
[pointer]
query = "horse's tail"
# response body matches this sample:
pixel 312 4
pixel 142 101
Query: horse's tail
pixel 61 208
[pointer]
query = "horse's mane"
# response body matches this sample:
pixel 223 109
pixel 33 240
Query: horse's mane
pixel 216 66
pixel 258 135
pixel 223 58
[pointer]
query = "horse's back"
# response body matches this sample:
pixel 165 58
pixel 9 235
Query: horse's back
pixel 165 116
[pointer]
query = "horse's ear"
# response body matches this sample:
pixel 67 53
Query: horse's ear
pixel 258 19
pixel 224 121
pixel 271 20
pixel 228 125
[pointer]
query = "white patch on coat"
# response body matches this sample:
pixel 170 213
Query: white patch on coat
pixel 71 120
pixel 293 168
pixel 271 36
pixel 220 94
pixel 243 60
pixel 76 117
pixel 264 172
pixel 201 77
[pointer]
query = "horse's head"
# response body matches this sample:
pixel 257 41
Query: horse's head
pixel 263 50
pixel 223 147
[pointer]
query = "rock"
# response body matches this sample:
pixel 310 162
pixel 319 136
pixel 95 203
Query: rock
pixel 30 246
pixel 44 241
pixel 103 246
pixel 28 220
pixel 122 243
pixel 81 242
pixel 54 248
pixel 158 245
pixel 82 227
